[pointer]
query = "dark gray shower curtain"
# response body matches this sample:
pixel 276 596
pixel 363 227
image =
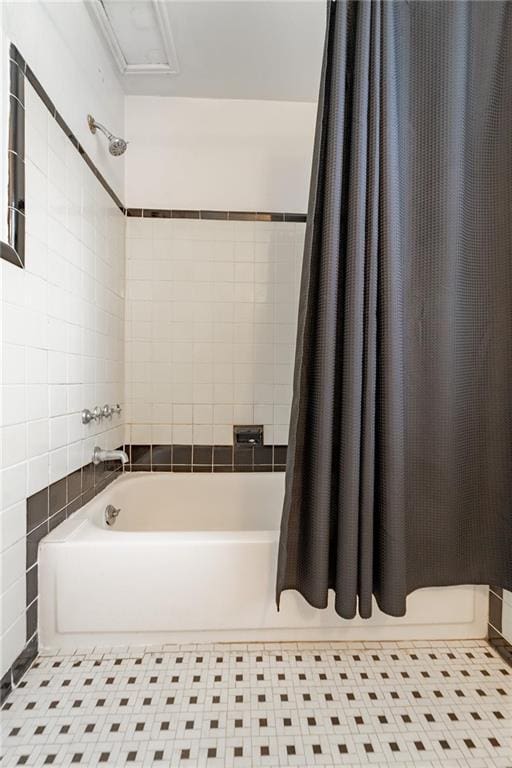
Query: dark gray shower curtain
pixel 400 450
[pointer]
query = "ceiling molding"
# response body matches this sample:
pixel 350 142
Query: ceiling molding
pixel 162 24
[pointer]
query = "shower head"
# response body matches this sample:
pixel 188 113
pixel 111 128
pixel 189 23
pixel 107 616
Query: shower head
pixel 116 145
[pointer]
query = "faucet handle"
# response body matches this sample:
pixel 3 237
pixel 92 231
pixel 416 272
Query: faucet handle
pixel 107 410
pixel 116 408
pixel 88 415
pixel 96 413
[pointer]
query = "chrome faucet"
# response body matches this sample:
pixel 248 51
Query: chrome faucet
pixel 101 455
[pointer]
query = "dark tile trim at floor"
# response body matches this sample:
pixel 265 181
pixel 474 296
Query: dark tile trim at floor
pixel 206 458
pixel 494 628
pixel 206 215
pixel 13 675
pixel 13 250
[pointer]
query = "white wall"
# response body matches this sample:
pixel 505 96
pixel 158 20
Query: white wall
pixel 60 44
pixel 210 328
pixel 61 319
pixel 218 154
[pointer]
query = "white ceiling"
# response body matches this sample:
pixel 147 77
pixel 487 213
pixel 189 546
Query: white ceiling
pixel 232 49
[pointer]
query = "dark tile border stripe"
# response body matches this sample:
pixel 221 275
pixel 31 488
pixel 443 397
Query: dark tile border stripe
pixel 206 458
pixel 206 215
pixel 7 253
pixel 494 627
pixel 13 250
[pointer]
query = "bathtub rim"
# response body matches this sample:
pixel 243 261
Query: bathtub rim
pixel 85 522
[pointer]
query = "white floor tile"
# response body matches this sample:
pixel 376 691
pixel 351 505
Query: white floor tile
pixel 418 704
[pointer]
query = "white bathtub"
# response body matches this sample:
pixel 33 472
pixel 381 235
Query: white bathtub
pixel 192 558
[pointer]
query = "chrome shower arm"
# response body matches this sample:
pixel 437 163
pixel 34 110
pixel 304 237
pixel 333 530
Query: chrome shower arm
pixel 94 126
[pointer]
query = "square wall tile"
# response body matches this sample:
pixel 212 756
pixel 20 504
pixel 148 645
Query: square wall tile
pixel 217 336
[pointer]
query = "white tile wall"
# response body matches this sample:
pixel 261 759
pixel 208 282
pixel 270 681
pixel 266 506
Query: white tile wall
pixel 210 328
pixel 62 326
pixel 506 620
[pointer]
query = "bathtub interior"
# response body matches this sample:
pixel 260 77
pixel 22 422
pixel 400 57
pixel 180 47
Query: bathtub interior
pixel 194 502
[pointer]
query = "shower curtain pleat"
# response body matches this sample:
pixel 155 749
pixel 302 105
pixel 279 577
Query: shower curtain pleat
pixel 400 451
pixel 369 328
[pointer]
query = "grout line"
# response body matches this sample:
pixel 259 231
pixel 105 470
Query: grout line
pixel 22 613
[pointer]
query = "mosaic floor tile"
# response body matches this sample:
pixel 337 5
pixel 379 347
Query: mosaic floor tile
pixel 237 706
